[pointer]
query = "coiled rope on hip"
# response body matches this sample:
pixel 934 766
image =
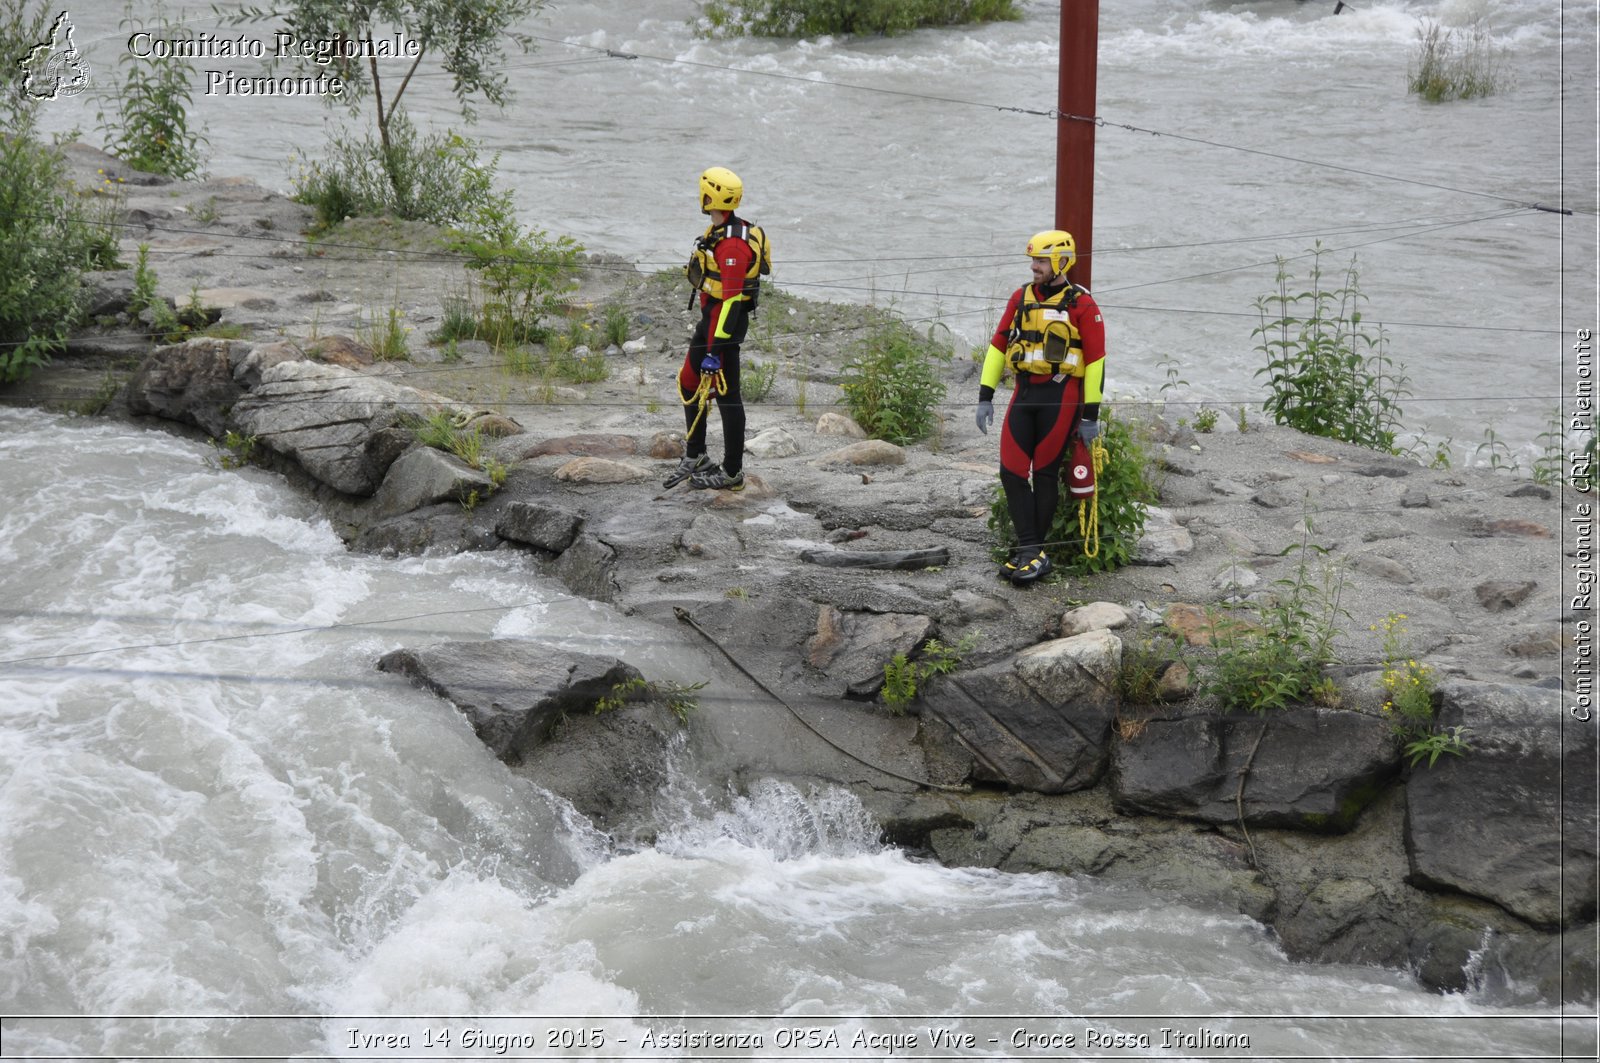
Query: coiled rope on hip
pixel 1090 527
pixel 709 383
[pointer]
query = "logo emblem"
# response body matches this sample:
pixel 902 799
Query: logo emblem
pixel 54 69
pixel 1080 472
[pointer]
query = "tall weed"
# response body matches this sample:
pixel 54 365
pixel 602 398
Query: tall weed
pixel 150 130
pixel 1326 374
pixel 892 384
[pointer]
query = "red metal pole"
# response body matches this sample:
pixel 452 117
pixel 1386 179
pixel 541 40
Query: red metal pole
pixel 1080 48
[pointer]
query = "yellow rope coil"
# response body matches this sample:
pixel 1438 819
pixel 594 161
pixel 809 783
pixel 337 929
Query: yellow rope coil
pixel 1091 527
pixel 709 382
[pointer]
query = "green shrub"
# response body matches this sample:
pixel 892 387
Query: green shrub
pixel 1455 66
pixel 1124 491
pixel 758 380
pixel 902 676
pixel 1326 375
pixel 49 235
pixel 1271 654
pixel 438 179
pixel 523 273
pixel 150 130
pixel 813 18
pixel 892 384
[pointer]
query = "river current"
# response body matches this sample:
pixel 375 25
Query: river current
pixel 212 804
pixel 222 832
pixel 907 171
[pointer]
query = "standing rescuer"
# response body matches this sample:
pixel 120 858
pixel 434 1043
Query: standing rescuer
pixel 726 268
pixel 1052 337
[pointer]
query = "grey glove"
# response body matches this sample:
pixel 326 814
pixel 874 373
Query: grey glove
pixel 985 415
pixel 1088 430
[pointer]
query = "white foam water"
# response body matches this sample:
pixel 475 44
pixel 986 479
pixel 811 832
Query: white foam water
pixel 222 832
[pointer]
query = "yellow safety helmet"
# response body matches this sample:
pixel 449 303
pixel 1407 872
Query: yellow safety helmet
pixel 1058 246
pixel 720 189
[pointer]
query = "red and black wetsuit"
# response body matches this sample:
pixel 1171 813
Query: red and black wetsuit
pixel 732 314
pixel 1040 421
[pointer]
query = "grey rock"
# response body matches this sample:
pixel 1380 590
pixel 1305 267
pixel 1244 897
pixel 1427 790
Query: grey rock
pixel 588 569
pixel 1040 721
pixel 325 416
pixel 106 291
pixel 1513 819
pixel 881 560
pixel 1164 540
pixel 1385 567
pixel 851 647
pixel 1276 496
pixel 190 382
pixel 424 476
pixel 545 527
pixel 1499 595
pixel 512 691
pixel 1310 769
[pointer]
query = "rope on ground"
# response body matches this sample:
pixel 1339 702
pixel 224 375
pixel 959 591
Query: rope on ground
pixel 1238 796
pixel 688 618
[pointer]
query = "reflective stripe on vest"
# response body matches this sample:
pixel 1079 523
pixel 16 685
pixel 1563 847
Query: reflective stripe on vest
pixel 1042 338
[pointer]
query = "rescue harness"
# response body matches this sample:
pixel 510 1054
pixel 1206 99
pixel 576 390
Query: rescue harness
pixel 1042 339
pixel 705 273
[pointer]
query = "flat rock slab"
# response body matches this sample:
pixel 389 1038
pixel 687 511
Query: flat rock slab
pixel 878 559
pixel 513 691
pixel 1308 768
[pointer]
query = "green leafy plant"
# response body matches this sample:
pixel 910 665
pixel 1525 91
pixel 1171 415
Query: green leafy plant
pixel 1455 65
pixel 1173 380
pixel 679 698
pixel 150 130
pixel 1409 699
pixel 1111 523
pixel 49 234
pixel 145 300
pixel 524 273
pixel 892 383
pixel 903 677
pixel 439 178
pixel 385 334
pixel 235 451
pixel 1550 467
pixel 1205 420
pixel 758 380
pixel 615 324
pixel 442 431
pixel 812 18
pixel 1144 662
pixel 1326 374
pixel 1272 654
pixel 1499 455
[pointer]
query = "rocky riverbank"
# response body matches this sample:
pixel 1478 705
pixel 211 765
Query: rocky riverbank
pixel 787 600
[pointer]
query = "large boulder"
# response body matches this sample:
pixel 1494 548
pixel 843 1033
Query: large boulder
pixel 340 426
pixel 424 476
pixel 513 691
pixel 1513 819
pixel 1308 768
pixel 1040 721
pixel 191 382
